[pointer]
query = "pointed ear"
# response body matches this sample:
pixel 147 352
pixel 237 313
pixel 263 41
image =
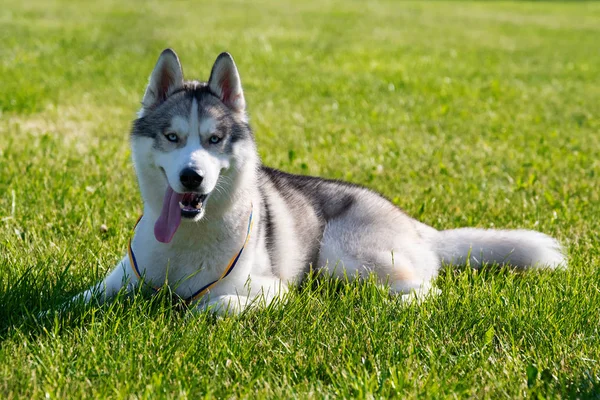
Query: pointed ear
pixel 166 77
pixel 225 83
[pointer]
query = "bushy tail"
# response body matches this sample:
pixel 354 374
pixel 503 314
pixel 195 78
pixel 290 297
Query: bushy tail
pixel 519 248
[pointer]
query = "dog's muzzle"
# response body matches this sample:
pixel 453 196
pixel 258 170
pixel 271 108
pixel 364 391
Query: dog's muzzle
pixel 192 204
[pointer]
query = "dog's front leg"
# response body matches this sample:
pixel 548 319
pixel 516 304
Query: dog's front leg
pixel 259 291
pixel 120 277
pixel 225 304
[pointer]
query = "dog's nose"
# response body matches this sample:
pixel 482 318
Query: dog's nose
pixel 190 179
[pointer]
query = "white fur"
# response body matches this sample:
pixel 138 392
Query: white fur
pixel 519 248
pixel 370 236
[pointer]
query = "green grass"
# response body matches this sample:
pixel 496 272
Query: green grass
pixel 464 114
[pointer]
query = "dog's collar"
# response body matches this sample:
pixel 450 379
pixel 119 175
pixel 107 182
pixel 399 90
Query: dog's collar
pixel 202 291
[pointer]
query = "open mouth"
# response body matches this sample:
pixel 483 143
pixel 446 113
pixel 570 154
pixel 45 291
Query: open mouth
pixel 175 207
pixel 192 204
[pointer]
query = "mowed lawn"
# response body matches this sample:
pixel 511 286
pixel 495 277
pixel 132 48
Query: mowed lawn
pixel 463 114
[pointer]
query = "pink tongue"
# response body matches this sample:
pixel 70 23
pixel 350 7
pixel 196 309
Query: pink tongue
pixel 170 217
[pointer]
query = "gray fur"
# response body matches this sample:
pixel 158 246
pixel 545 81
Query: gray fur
pixel 154 122
pixel 299 220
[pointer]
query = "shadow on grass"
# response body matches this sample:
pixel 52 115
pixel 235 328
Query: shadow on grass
pixel 34 292
pixel 24 300
pixel 35 305
pixel 584 388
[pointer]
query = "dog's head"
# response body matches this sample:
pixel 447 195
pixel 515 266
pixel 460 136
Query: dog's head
pixel 191 143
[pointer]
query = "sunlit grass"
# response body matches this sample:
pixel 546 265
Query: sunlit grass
pixel 463 114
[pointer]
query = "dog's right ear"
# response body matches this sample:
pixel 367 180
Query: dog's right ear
pixel 225 83
pixel 166 77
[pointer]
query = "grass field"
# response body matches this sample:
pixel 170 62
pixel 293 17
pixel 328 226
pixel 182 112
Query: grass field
pixel 464 114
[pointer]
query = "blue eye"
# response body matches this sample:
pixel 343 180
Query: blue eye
pixel 214 139
pixel 172 137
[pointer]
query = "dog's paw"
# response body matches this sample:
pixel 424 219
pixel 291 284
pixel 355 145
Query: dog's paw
pixel 417 296
pixel 225 304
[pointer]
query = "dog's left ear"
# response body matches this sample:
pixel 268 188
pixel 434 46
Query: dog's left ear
pixel 225 83
pixel 166 77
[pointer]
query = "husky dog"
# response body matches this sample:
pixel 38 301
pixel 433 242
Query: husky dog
pixel 222 230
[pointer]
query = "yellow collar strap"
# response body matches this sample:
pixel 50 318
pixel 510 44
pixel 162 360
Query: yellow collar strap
pixel 202 291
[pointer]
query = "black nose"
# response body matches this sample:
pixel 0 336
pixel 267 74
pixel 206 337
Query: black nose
pixel 190 179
